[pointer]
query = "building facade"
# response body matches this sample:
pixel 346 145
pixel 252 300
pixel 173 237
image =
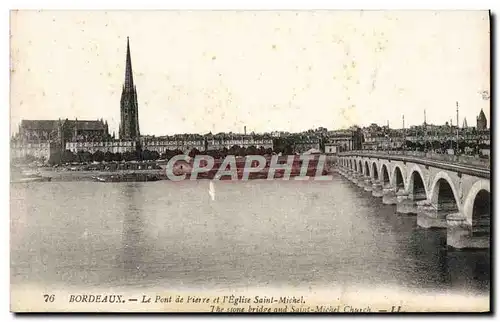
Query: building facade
pixel 332 148
pixel 221 141
pixel 209 142
pixel 42 150
pixel 184 143
pixel 113 146
pixel 304 144
pixel 42 138
pixel 345 140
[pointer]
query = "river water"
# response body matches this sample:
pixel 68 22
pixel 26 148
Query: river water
pixel 253 234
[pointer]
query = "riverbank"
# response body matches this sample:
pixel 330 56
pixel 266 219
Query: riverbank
pixel 155 175
pixel 92 175
pixel 182 170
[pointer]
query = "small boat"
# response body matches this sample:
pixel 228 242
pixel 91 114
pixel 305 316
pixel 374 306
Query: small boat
pixel 28 176
pixel 211 190
pixel 33 179
pixel 128 177
pixel 99 179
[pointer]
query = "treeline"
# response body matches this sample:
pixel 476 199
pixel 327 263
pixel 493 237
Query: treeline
pixel 68 156
pixel 463 146
pixel 288 145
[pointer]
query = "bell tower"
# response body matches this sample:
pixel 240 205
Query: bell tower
pixel 129 112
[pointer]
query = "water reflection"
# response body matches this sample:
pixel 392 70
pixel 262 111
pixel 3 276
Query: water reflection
pixel 134 235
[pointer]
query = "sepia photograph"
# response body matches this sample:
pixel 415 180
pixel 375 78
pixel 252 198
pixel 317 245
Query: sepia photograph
pixel 250 161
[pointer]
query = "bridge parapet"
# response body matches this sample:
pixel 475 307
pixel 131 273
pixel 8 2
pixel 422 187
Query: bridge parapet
pixel 461 159
pixel 463 164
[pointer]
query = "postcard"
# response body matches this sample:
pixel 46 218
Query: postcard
pixel 314 161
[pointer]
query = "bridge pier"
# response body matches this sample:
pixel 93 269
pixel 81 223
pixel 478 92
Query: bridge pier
pixel 389 195
pixel 459 233
pixel 377 190
pixel 368 184
pixel 355 177
pixel 431 216
pixel 350 174
pixel 405 203
pixel 361 181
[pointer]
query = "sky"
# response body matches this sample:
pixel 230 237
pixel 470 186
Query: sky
pixel 218 71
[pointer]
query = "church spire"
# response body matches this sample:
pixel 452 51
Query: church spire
pixel 129 112
pixel 129 80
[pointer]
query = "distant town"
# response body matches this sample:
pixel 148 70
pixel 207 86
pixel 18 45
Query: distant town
pixel 68 141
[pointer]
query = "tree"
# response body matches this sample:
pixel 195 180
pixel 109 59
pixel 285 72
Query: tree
pixel 55 157
pixel 146 155
pixel 117 156
pixel 108 156
pixel 168 154
pixel 242 151
pixel 98 156
pixel 435 145
pixel 449 144
pixel 251 150
pixel 68 157
pixel 151 155
pixel 30 158
pixel 462 144
pixel 128 156
pixel 213 153
pixel 234 150
pixel 194 152
pixel 83 156
pixel 137 155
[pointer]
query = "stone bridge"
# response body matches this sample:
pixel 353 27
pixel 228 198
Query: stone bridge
pixel 442 194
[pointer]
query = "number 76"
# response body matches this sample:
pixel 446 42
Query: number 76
pixel 48 297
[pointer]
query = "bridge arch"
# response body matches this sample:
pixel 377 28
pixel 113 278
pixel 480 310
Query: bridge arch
pixel 398 178
pixel 384 173
pixel 416 185
pixel 444 193
pixel 360 166
pixel 477 204
pixel 481 212
pixel 375 171
pixel 367 169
